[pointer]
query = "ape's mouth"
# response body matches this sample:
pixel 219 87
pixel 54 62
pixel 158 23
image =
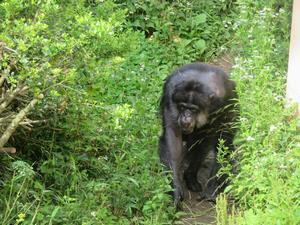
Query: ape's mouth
pixel 187 130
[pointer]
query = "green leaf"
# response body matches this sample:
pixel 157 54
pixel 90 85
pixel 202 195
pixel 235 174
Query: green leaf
pixel 201 18
pixel 185 42
pixel 200 45
pixel 53 214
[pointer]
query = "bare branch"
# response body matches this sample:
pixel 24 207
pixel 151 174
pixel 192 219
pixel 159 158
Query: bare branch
pixel 30 122
pixel 7 119
pixel 9 49
pixel 10 96
pixel 8 150
pixel 2 79
pixel 16 121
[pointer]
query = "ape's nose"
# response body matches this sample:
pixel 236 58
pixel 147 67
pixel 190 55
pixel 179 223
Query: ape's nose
pixel 186 122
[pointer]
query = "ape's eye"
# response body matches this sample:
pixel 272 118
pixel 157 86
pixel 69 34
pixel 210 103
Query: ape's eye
pixel 194 110
pixel 181 107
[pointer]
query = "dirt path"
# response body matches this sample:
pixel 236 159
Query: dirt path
pixel 225 62
pixel 198 212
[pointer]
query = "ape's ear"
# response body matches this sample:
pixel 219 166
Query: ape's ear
pixel 212 96
pixel 231 85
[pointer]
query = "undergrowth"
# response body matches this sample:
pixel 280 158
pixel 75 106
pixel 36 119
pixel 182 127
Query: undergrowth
pixel 100 66
pixel 267 184
pixel 94 160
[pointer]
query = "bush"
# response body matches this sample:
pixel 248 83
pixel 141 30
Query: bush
pixel 195 29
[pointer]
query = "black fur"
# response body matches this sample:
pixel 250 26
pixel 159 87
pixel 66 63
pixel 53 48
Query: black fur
pixel 205 90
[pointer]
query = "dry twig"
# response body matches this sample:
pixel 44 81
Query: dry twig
pixel 8 150
pixel 16 121
pixel 10 96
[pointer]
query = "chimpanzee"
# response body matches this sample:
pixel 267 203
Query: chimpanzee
pixel 198 109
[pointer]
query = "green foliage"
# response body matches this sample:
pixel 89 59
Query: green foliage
pixel 95 160
pixel 101 65
pixel 197 28
pixel 226 213
pixel 267 184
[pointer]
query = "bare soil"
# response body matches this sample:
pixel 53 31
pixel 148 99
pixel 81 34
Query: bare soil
pixel 225 62
pixel 198 212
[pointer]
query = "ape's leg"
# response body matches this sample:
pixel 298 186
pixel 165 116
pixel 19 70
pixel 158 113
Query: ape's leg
pixel 212 184
pixel 196 158
pixel 216 184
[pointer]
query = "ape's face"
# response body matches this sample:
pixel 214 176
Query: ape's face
pixel 190 116
pixel 192 106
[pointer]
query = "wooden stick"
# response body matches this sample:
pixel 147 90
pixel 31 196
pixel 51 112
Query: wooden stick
pixel 26 122
pixel 8 150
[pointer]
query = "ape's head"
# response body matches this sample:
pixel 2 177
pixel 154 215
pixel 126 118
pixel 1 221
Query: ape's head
pixel 192 103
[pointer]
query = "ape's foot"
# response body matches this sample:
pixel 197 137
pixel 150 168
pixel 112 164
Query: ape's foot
pixel 192 183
